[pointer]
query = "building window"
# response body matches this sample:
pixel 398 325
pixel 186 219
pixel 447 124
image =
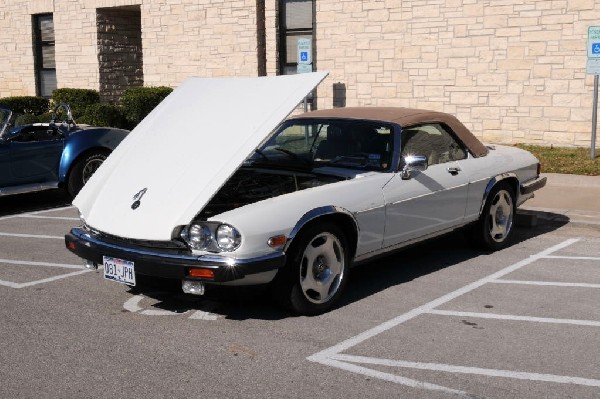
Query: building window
pixel 296 22
pixel 45 66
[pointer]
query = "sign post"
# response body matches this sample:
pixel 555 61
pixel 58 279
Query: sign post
pixel 593 68
pixel 304 60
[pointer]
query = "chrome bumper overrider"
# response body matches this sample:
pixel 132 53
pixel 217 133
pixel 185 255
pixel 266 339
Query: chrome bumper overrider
pixel 533 185
pixel 169 263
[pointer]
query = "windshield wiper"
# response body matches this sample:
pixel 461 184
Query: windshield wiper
pixel 292 155
pixel 358 160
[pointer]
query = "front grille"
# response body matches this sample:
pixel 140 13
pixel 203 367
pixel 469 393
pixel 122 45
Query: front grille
pixel 171 246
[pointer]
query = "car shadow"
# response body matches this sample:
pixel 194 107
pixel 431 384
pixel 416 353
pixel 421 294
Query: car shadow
pixel 33 202
pixel 242 303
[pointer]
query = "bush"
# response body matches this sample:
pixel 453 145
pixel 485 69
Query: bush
pixel 103 115
pixel 78 99
pixel 137 102
pixel 26 104
pixel 26 119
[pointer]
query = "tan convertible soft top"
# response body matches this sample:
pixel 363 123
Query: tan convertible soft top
pixel 405 117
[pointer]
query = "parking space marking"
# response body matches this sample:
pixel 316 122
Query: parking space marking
pixel 560 379
pixel 333 356
pixel 30 263
pixel 547 283
pixel 591 323
pixel 32 216
pixel 46 280
pixel 31 236
pixel 132 305
pixel 573 257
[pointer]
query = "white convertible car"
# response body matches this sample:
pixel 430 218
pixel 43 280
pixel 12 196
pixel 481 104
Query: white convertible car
pixel 213 188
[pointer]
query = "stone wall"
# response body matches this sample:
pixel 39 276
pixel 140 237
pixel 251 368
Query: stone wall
pixel 17 73
pixel 514 71
pixel 209 38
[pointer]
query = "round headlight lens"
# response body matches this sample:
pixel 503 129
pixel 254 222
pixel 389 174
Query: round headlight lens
pixel 228 238
pixel 199 236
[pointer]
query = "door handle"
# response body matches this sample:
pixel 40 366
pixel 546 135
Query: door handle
pixel 453 170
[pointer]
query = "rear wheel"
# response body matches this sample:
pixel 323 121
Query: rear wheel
pixel 495 226
pixel 316 271
pixel 83 169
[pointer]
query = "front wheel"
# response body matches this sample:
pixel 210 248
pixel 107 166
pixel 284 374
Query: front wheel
pixel 316 271
pixel 83 169
pixel 495 226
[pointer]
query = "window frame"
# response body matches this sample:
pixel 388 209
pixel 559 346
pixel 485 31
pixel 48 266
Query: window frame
pixel 38 47
pixel 444 128
pixel 284 33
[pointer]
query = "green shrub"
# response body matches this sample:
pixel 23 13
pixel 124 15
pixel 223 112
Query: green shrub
pixel 77 99
pixel 103 115
pixel 27 119
pixel 26 104
pixel 137 102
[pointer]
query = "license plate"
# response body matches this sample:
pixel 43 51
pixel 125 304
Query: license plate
pixel 119 270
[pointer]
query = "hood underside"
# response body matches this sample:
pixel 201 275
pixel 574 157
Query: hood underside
pixel 169 167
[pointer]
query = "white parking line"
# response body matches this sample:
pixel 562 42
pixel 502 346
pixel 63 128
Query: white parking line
pixel 574 257
pixel 591 323
pixel 332 356
pixel 53 210
pixel 30 263
pixel 31 236
pixel 46 280
pixel 547 283
pixel 31 216
pixel 560 379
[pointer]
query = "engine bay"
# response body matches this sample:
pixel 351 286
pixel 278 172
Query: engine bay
pixel 249 185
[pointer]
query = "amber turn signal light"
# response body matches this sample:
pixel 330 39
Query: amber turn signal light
pixel 277 241
pixel 200 272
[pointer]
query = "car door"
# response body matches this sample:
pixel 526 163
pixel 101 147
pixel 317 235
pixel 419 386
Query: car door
pixel 432 200
pixel 5 172
pixel 35 153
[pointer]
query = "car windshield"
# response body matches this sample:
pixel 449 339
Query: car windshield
pixel 351 144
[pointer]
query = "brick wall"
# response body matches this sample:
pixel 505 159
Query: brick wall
pixel 514 71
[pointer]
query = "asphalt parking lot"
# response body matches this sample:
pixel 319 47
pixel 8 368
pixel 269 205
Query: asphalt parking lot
pixel 437 320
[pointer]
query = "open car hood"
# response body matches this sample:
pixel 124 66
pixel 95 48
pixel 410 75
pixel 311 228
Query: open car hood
pixel 168 168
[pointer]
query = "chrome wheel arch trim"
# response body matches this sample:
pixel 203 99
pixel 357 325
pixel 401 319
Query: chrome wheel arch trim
pixel 317 213
pixel 492 183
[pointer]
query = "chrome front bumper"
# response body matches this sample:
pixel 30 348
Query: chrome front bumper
pixel 173 264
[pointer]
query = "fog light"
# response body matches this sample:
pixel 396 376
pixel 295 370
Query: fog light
pixel 88 264
pixel 193 287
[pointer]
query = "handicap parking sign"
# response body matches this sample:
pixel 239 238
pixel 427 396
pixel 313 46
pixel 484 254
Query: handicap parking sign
pixel 304 54
pixel 595 48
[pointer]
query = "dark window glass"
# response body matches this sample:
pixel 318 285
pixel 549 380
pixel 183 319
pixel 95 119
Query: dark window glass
pixel 295 22
pixel 45 65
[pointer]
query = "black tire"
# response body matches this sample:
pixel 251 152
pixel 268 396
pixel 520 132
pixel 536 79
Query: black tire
pixel 495 227
pixel 83 169
pixel 314 279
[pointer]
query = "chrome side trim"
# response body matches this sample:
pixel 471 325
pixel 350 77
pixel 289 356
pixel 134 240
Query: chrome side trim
pixel 220 260
pixel 27 188
pixel 383 251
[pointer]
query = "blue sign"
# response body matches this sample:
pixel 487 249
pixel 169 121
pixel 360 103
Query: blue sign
pixel 595 48
pixel 304 54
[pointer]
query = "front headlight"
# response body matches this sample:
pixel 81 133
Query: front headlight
pixel 228 238
pixel 199 236
pixel 211 236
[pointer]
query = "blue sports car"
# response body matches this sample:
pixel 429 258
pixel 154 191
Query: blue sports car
pixel 42 156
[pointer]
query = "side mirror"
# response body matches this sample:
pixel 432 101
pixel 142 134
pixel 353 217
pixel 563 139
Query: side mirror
pixel 412 163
